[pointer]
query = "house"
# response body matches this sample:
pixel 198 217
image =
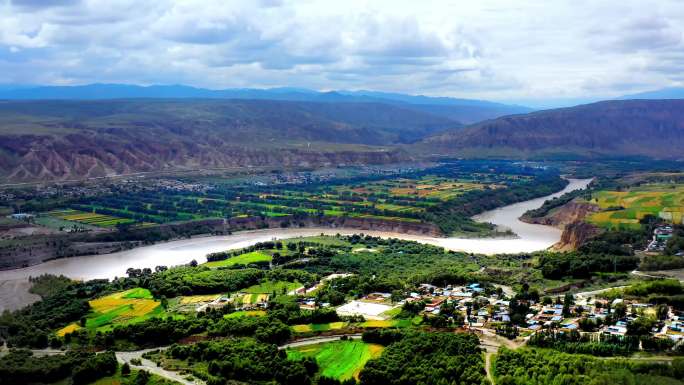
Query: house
pixel 615 330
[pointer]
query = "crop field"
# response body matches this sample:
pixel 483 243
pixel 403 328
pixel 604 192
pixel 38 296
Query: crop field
pixel 130 306
pixel 243 259
pixel 306 328
pixel 341 360
pixel 395 197
pixel 427 187
pixel 88 218
pixel 246 313
pixel 254 298
pixel 624 209
pixel 268 287
pixel 194 299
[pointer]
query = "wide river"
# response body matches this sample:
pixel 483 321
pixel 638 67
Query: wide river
pixel 14 284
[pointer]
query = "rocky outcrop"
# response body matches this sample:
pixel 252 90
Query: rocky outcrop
pixel 576 234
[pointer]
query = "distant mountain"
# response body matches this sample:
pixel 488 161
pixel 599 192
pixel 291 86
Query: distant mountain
pixel 72 139
pixel 463 110
pixel 664 93
pixel 652 128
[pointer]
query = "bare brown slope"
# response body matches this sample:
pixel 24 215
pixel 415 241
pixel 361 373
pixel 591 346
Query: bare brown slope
pixel 59 140
pixel 653 128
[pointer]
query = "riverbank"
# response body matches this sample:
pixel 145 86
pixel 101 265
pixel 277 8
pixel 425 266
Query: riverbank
pixel 531 237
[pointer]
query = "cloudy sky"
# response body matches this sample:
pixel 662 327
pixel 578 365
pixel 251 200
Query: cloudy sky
pixel 524 51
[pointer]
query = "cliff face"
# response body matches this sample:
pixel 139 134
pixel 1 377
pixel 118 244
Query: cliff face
pixel 576 234
pixel 568 213
pixel 363 224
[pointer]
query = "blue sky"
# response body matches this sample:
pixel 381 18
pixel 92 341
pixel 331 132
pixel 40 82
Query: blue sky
pixel 525 51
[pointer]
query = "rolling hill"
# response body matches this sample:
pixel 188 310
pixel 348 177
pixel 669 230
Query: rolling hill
pixel 60 139
pixel 651 128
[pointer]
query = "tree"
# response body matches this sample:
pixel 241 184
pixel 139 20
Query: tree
pixel 620 310
pixel 662 312
pixel 142 378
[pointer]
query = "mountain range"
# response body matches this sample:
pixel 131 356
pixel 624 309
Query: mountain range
pixel 72 139
pixel 465 111
pixel 95 134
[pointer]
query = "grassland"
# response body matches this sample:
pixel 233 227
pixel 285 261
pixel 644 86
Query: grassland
pixel 130 306
pixel 624 209
pixel 341 360
pixel 243 259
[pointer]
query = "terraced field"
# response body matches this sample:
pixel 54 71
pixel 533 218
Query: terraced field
pixel 624 209
pixel 341 360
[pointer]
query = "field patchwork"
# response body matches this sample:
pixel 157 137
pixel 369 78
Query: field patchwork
pixel 624 209
pixel 130 306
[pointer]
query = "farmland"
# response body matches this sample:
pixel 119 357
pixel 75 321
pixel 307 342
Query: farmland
pixel 244 259
pixel 341 360
pixel 624 209
pixel 130 306
pixel 268 287
pixel 403 197
pixel 88 218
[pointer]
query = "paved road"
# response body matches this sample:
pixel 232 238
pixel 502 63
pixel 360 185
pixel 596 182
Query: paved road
pixel 317 340
pixel 152 367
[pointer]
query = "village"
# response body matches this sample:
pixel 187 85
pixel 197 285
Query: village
pixel 483 308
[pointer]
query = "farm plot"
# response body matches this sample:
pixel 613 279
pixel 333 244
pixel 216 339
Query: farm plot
pixel 130 306
pixel 624 209
pixel 243 259
pixel 341 360
pixel 89 218
pixel 268 287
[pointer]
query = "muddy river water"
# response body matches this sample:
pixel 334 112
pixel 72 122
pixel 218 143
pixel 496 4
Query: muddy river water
pixel 14 283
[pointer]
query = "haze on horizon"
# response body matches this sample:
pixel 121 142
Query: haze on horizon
pixel 530 52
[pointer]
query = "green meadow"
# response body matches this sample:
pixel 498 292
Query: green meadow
pixel 341 360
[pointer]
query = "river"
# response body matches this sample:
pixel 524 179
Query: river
pixel 14 283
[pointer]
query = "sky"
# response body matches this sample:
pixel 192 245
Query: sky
pixel 522 51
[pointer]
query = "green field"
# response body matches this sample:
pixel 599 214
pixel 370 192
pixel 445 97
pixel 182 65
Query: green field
pixel 269 287
pixel 340 359
pixel 624 209
pixel 243 259
pixel 246 313
pixel 130 306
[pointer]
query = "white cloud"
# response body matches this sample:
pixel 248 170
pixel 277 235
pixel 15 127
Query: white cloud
pixel 496 49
